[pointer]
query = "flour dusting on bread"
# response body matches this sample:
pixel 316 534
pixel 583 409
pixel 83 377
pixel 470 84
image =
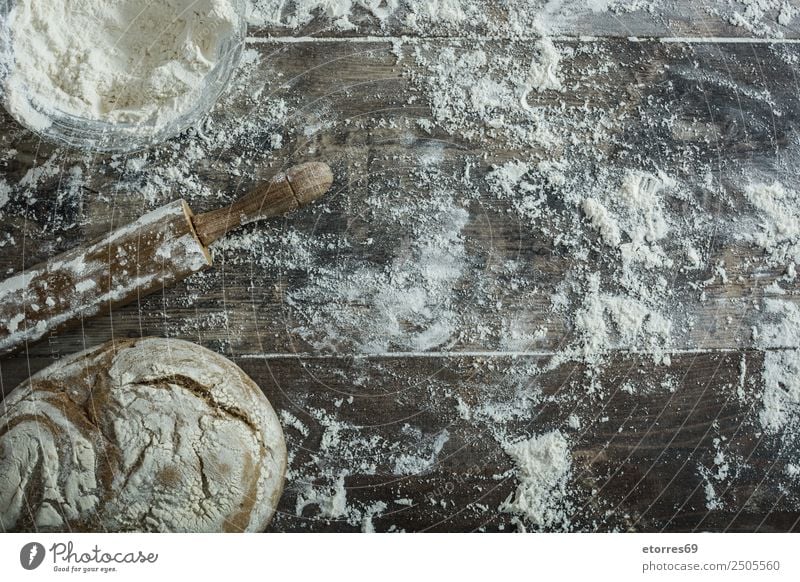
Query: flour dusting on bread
pixel 142 435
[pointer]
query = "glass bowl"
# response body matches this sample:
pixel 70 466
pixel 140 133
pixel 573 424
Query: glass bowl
pixel 115 137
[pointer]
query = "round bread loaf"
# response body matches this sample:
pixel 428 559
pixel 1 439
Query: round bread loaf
pixel 140 435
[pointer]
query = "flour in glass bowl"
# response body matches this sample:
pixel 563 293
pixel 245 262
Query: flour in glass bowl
pixel 126 61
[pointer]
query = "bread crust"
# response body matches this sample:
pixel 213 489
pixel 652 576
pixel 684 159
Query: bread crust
pixel 140 435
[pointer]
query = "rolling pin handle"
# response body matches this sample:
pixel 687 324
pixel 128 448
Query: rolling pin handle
pixel 297 187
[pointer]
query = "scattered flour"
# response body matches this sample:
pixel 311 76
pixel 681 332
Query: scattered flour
pixel 411 299
pixel 512 18
pixel 5 192
pixel 607 321
pixel 477 96
pixel 780 337
pixel 340 13
pixel 760 17
pixel 717 474
pixel 319 479
pixel 332 502
pixel 412 464
pixel 370 512
pixel 779 230
pixel 602 221
pixel 543 467
pixel 290 420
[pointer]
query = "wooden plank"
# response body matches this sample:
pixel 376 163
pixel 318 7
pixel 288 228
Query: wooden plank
pixel 638 460
pixel 349 104
pixel 372 139
pixel 655 18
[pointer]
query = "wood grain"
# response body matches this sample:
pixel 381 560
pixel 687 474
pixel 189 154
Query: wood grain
pixel 667 18
pixel 371 158
pixel 636 464
pixel 635 461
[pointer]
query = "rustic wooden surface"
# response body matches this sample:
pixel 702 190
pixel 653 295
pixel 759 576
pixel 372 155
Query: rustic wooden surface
pixel 667 18
pixel 635 463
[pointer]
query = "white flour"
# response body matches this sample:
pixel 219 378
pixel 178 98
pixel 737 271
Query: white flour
pixel 5 190
pixel 123 62
pixel 760 17
pixel 415 292
pixel 543 467
pixel 517 18
pixel 344 450
pixel 780 337
pixel 339 12
pixel 779 228
pixel 479 96
pixel 332 503
pixel 607 321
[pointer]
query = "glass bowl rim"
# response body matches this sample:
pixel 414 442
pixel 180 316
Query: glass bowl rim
pixel 66 129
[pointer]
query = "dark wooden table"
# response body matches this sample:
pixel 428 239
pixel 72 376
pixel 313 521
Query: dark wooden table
pixel 353 102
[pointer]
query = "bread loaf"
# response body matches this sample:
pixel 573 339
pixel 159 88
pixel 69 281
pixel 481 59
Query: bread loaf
pixel 140 435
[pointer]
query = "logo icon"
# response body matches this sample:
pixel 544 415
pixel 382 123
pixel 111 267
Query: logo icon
pixel 31 555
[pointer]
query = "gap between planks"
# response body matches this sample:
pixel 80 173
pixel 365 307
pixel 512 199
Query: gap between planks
pixel 587 39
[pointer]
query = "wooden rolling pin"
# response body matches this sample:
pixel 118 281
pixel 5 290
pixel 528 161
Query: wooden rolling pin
pixel 158 250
